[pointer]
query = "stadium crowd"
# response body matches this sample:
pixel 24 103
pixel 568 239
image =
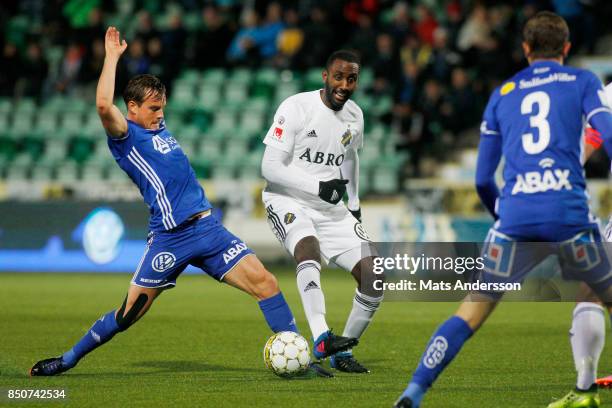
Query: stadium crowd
pixel 439 59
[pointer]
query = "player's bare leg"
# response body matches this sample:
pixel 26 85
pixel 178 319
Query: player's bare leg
pixel 136 304
pixel 444 345
pixel 365 304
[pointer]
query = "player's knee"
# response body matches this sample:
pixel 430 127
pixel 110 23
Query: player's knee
pixel 128 314
pixel 307 249
pixel 370 283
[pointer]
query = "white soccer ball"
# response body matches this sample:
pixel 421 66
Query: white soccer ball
pixel 287 354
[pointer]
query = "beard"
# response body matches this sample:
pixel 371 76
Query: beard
pixel 329 95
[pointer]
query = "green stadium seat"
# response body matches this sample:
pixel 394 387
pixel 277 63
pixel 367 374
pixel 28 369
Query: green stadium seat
pixel 209 150
pixel 93 171
pixel 189 76
pixel 236 94
pixel 366 77
pixel 208 97
pixel 236 148
pixel 285 90
pixel 114 173
pixel 33 145
pixel 189 133
pixel 183 94
pixel 56 149
pixel 385 177
pixel 214 76
pixel 8 148
pixel 42 172
pixel 253 122
pixel 48 122
pixel 67 172
pixel 17 171
pixel 25 105
pixel 241 76
pixel 80 149
pixel 224 169
pixel 72 122
pixel 6 105
pixel 22 122
pixel 5 119
pixel 313 79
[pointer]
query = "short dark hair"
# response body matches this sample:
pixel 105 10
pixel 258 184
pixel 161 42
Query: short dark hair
pixel 141 87
pixel 344 55
pixel 546 34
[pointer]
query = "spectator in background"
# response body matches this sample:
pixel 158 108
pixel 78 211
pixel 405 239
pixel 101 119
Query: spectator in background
pixel 243 44
pixel 385 65
pixel 136 61
pixel 461 105
pixel 173 41
pixel 475 34
pixel 401 23
pixel 318 40
pixel 442 58
pixel 212 41
pixel 158 63
pixel 364 39
pixel 9 69
pixel 408 91
pixel 426 24
pixel 145 30
pixel 68 74
pixel 413 51
pixel 290 40
pixel 266 35
pixel 94 30
pixel 93 62
pixel 34 70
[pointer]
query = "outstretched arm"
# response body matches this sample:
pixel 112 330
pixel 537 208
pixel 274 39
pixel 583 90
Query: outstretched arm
pixel 112 119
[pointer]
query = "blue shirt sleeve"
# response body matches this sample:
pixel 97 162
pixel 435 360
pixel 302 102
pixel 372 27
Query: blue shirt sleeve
pixel 120 147
pixel 489 155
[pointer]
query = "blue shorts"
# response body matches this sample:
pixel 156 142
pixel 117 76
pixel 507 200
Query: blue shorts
pixel 204 243
pixel 583 257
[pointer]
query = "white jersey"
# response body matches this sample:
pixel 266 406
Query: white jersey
pixel 316 137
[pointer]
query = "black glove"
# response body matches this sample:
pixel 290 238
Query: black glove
pixel 356 213
pixel 332 191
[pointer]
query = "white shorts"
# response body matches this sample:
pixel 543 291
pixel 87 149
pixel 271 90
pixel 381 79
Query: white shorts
pixel 339 234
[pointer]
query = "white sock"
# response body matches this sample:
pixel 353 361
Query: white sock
pixel 309 286
pixel 364 307
pixel 587 338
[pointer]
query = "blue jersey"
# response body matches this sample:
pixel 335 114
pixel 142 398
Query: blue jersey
pixel 156 163
pixel 538 117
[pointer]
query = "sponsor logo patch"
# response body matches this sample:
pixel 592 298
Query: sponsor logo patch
pixel 234 251
pixel 289 218
pixel 163 261
pixel 507 88
pixel 346 137
pixel 281 120
pixel 435 352
pixel 278 133
pixel 311 285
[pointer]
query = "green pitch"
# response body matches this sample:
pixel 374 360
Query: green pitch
pixel 201 345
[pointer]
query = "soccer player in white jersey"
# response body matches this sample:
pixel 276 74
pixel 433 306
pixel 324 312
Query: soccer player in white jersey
pixel 310 161
pixel 589 320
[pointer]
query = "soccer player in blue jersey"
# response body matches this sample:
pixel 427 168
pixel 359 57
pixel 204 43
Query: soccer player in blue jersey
pixel 535 121
pixel 182 229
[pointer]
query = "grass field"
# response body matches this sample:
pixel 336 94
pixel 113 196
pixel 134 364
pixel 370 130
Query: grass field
pixel 201 345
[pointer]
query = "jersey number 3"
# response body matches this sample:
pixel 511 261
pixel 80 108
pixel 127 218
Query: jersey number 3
pixel 536 121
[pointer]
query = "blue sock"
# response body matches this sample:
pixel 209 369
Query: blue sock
pixel 102 331
pixel 441 349
pixel 277 314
